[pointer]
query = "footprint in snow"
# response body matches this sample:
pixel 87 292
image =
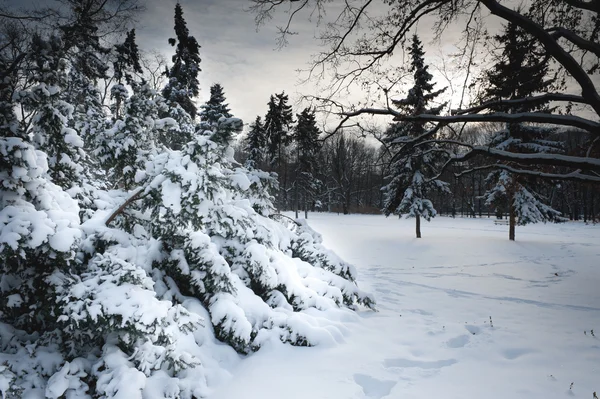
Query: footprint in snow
pixel 474 330
pixel 458 342
pixel 514 353
pixel 403 363
pixel 372 387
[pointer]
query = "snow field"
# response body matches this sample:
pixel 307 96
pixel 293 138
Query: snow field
pixel 432 335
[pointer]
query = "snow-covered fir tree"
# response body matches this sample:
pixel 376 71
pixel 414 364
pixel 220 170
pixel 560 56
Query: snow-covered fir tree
pixel 212 113
pixel 52 114
pixel 131 140
pixel 183 85
pixel 182 254
pixel 519 73
pixel 39 236
pixel 409 171
pixel 215 108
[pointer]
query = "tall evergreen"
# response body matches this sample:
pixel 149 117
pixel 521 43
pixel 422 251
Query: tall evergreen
pixel 38 220
pixel 306 138
pixel 127 61
pixel 277 125
pixel 518 73
pixel 81 38
pixel 183 85
pixel 255 144
pixel 52 114
pixel 408 188
pixel 278 122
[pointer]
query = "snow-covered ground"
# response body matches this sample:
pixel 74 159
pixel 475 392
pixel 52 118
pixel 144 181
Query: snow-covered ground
pixel 433 336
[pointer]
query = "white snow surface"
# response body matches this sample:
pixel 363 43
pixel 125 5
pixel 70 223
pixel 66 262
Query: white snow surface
pixel 433 336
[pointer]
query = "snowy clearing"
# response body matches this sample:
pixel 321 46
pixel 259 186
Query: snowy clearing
pixel 432 336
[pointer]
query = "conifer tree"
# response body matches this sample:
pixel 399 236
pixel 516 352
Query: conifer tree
pixel 51 131
pixel 306 136
pixel 215 108
pixel 518 73
pixel 408 187
pixel 277 125
pixel 215 113
pixel 127 61
pixel 255 144
pixel 181 249
pixel 81 38
pixel 183 85
pixel 39 222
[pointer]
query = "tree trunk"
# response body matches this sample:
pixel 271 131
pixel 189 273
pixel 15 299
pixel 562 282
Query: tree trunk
pixel 511 219
pixel 418 225
pixel 305 206
pixel 296 198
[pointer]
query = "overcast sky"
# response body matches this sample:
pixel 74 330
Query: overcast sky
pixel 233 53
pixel 245 61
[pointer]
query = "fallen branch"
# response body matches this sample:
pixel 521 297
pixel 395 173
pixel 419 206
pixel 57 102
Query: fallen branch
pixel 120 209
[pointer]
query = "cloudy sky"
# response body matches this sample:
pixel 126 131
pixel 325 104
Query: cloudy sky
pixel 244 60
pixel 233 53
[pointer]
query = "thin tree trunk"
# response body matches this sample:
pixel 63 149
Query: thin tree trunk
pixel 305 207
pixel 511 219
pixel 418 226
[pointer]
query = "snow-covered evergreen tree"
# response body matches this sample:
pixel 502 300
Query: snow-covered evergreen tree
pixel 217 248
pixel 52 114
pixel 131 141
pixel 409 187
pixel 184 249
pixel 519 73
pixel 215 108
pixel 39 235
pixel 183 85
pixel 215 113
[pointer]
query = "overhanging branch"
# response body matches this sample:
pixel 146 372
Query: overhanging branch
pixel 571 176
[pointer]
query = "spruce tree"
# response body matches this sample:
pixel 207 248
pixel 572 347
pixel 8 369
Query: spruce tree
pixel 215 113
pixel 127 61
pixel 519 73
pixel 183 85
pixel 306 136
pixel 215 108
pixel 255 144
pixel 408 188
pixel 39 222
pixel 182 249
pixel 52 114
pixel 277 125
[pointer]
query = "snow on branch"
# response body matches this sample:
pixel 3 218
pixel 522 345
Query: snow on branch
pixel 531 159
pixel 532 117
pixel 571 176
